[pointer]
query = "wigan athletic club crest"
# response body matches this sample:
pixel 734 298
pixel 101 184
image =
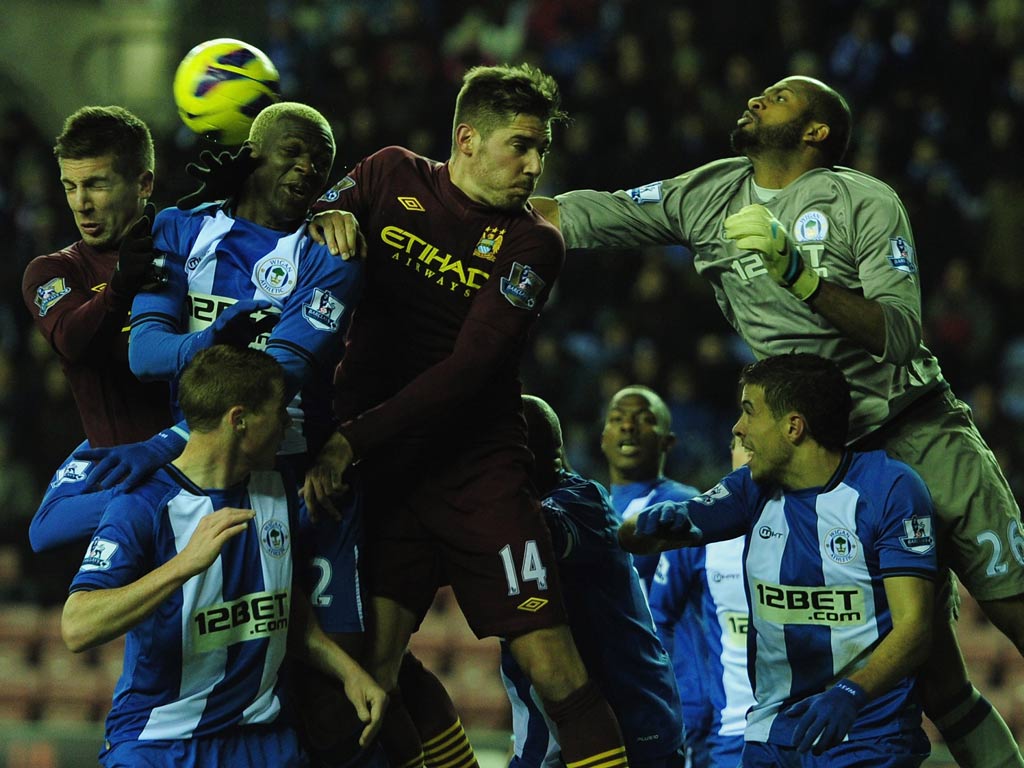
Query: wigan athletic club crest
pixel 522 286
pixel 490 244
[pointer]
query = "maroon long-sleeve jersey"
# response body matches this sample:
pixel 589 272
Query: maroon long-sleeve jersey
pixel 86 323
pixel 452 291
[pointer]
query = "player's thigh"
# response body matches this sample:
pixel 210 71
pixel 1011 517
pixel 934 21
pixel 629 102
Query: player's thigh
pixel 496 552
pixel 978 519
pixel 330 574
pixel 550 660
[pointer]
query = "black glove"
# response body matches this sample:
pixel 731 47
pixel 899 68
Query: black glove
pixel 219 176
pixel 135 269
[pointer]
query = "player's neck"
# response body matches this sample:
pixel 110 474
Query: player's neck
pixel 209 463
pixel 812 467
pixel 778 170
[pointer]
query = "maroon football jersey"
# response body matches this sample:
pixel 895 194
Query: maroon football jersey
pixel 86 322
pixel 452 290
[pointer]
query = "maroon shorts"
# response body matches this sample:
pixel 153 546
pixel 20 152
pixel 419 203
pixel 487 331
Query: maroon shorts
pixel 476 526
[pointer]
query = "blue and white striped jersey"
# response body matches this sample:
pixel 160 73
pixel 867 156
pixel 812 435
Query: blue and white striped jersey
pixel 710 580
pixel 687 642
pixel 815 564
pixel 612 627
pixel 214 260
pixel 208 657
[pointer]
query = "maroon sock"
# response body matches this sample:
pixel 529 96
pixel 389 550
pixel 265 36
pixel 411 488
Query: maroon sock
pixel 398 735
pixel 444 740
pixel 587 729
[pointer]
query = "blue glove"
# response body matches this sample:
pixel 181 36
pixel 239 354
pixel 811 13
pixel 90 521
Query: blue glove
pixel 132 463
pixel 668 520
pixel 236 324
pixel 826 718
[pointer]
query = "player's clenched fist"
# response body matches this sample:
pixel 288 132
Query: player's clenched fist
pixel 659 527
pixel 755 229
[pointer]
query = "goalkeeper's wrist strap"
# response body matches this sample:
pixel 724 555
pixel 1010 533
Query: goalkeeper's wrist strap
pixel 806 285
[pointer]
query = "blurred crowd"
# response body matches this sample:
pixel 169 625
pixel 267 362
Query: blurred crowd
pixel 937 91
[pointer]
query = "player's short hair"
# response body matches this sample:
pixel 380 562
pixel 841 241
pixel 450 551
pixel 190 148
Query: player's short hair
pixel 221 377
pixel 544 439
pixel 810 385
pixel 99 131
pixel 491 97
pixel 284 109
pixel 827 105
pixel 654 400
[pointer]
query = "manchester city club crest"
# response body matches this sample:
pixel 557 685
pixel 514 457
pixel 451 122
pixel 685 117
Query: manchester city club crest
pixel 490 244
pixel 522 286
pixel 274 275
pixel 274 538
pixel 841 545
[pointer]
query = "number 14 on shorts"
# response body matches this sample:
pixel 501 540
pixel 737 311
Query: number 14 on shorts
pixel 532 568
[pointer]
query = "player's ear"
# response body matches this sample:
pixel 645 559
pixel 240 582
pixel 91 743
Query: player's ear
pixel 816 132
pixel 146 184
pixel 668 442
pixel 235 418
pixel 465 138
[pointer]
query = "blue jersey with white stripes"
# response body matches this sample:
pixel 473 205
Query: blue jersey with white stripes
pixel 214 260
pixel 612 627
pixel 687 642
pixel 814 566
pixel 207 659
pixel 709 580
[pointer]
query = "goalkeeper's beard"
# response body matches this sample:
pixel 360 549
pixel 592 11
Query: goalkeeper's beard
pixel 754 139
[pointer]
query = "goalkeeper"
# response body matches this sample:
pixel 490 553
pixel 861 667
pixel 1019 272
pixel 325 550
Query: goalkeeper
pixel 805 255
pixel 839 572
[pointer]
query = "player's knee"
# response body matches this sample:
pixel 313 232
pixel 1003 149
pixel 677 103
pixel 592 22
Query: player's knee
pixel 550 659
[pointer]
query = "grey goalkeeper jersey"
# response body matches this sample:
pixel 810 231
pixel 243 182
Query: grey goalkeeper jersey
pixel 851 229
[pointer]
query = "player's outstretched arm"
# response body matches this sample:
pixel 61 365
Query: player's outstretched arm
pixel 93 617
pixel 306 637
pixel 131 463
pixel 658 528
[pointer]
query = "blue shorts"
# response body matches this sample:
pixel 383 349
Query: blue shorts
pixel 904 750
pixel 245 745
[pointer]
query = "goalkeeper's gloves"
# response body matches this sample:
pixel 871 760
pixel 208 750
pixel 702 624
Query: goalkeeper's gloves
pixel 826 718
pixel 755 229
pixel 670 521
pixel 220 176
pixel 132 463
pixel 135 268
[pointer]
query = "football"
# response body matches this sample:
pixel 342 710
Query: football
pixel 221 85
